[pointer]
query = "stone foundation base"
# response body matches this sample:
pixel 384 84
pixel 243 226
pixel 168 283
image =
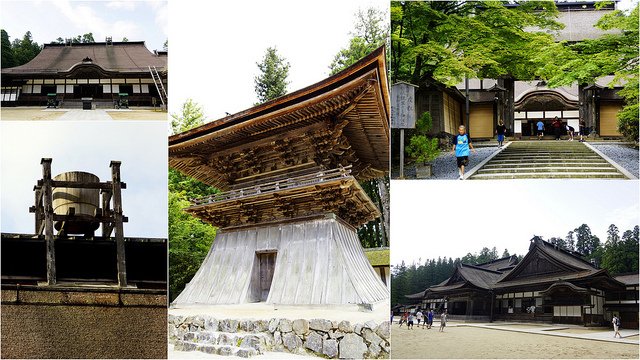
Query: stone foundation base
pixel 244 338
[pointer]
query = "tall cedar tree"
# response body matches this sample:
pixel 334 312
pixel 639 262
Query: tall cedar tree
pixel 272 82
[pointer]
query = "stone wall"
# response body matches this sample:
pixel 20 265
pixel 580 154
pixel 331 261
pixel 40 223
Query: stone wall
pixel 83 324
pixel 319 337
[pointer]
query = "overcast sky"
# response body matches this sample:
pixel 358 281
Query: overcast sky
pixel 452 218
pixel 86 146
pixel 214 46
pixel 47 20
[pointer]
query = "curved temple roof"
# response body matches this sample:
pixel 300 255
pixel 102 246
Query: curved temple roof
pixel 119 57
pixel 343 120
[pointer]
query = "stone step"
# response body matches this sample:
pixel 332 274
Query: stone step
pixel 595 163
pixel 524 152
pixel 556 175
pixel 257 341
pixel 549 169
pixel 224 350
pixel 548 158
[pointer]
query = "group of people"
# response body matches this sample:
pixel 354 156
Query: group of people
pixel 426 319
pixel 559 128
pixel 462 142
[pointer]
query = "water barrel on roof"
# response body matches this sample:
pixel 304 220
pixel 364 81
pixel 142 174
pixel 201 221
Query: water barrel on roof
pixel 82 203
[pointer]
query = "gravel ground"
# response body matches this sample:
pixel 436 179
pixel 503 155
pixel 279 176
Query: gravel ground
pixel 625 155
pixel 444 166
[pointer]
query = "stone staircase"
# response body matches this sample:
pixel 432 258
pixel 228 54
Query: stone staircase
pixel 547 160
pixel 246 338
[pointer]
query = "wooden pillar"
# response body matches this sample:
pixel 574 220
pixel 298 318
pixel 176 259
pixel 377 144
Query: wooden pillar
pixel 48 221
pixel 117 216
pixel 492 295
pixel 107 227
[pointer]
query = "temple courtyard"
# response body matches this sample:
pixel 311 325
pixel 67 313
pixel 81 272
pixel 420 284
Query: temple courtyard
pixel 514 341
pixel 41 113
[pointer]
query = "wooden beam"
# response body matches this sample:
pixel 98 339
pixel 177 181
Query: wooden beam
pixel 119 231
pixel 48 221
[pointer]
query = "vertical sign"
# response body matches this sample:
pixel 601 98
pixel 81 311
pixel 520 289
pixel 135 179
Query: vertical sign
pixel 403 113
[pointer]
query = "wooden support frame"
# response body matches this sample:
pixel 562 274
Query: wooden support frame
pixel 109 215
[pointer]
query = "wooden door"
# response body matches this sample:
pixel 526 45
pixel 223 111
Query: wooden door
pixel 267 267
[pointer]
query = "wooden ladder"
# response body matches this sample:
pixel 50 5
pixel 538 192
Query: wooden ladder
pixel 159 86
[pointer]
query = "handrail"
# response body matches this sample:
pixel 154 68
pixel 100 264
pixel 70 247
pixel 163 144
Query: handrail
pixel 274 186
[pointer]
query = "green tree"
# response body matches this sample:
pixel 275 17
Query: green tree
pixel 272 82
pixel 189 243
pixel 613 235
pixel 586 242
pixel 165 46
pixel 375 233
pixel 25 49
pixel 613 53
pixel 370 32
pixel 190 116
pixel 621 256
pixel 7 52
pixel 125 39
pixel 446 40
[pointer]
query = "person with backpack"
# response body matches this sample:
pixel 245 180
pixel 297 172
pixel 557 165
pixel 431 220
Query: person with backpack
pixel 616 326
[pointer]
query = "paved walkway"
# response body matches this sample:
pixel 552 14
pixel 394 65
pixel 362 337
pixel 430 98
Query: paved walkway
pixel 85 115
pixel 39 113
pixel 569 331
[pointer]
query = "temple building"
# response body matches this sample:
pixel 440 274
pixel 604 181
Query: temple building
pixel 550 284
pixel 521 104
pixel 289 170
pixel 104 72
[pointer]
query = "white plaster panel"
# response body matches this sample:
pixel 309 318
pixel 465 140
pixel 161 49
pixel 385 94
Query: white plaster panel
pixel 570 114
pixel 517 126
pixel 520 115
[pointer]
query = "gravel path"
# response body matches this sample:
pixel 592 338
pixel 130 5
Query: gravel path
pixel 625 155
pixel 444 166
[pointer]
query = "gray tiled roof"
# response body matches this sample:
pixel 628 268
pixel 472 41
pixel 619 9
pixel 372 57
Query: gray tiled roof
pixel 124 57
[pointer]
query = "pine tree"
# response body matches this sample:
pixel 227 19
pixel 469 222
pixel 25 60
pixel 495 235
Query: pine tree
pixel 272 82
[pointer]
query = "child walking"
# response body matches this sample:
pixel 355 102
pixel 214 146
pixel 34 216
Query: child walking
pixel 461 145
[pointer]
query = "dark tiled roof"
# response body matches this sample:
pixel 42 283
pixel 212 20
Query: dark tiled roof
pixel 498 264
pixel 628 279
pixel 124 57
